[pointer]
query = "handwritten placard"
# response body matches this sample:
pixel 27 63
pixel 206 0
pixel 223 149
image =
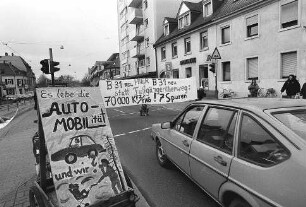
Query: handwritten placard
pixel 81 149
pixel 118 93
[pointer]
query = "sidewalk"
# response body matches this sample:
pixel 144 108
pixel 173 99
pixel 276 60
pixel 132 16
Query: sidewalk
pixel 8 110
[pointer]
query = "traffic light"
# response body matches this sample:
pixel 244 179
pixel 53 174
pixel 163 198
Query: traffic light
pixel 53 64
pixel 45 66
pixel 212 67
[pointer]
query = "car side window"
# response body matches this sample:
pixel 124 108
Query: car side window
pixel 257 145
pixel 76 142
pixel 187 122
pixel 86 141
pixel 217 129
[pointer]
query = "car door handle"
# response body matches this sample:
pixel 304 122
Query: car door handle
pixel 220 160
pixel 185 142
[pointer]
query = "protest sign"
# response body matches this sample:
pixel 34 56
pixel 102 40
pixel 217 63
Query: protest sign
pixel 81 149
pixel 118 93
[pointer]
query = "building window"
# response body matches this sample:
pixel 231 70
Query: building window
pixel 184 20
pixel 9 81
pixel 207 8
pixel 145 4
pixel 181 25
pixel 174 49
pixel 147 42
pixel 225 35
pixel 148 61
pixel 187 19
pixel 175 73
pixel 289 14
pixel 187 45
pixel 146 23
pixel 226 71
pixel 166 30
pixel 252 68
pixel 163 53
pixel 141 63
pixel 188 72
pixel 203 40
pixel 288 64
pixel 252 26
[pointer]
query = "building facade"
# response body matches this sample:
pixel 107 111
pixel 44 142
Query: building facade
pixel 139 26
pixel 262 40
pixel 105 70
pixel 16 75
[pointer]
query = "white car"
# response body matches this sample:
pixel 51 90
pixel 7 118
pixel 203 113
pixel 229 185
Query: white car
pixel 241 152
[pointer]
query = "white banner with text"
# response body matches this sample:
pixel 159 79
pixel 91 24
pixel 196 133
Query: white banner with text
pixel 117 93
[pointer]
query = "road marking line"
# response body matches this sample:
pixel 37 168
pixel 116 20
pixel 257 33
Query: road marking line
pixel 132 132
pixel 118 135
pixel 119 111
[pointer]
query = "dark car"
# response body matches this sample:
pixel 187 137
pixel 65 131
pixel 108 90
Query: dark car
pixel 79 146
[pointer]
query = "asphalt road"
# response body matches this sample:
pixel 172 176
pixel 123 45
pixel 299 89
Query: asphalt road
pixel 160 187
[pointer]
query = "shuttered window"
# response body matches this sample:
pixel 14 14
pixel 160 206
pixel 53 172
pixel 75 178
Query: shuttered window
pixel 289 14
pixel 288 64
pixel 225 35
pixel 252 68
pixel 252 26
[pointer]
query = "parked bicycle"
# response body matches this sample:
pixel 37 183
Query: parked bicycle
pixel 227 93
pixel 266 93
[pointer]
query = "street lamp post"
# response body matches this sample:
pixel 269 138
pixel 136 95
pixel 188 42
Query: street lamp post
pixel 51 67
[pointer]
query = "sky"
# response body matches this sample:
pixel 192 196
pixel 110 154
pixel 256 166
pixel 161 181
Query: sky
pixel 86 29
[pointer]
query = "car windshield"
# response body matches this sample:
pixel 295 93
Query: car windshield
pixel 295 120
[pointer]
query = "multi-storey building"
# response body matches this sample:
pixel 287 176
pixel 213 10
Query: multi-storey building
pixel 102 70
pixel 260 39
pixel 16 74
pixel 13 79
pixel 140 25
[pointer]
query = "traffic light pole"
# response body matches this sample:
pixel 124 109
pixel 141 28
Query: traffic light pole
pixel 216 76
pixel 51 67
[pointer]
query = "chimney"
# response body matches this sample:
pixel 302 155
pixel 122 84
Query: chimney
pixel 6 54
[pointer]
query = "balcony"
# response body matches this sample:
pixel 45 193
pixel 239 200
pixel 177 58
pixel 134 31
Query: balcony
pixel 134 3
pixel 137 35
pixel 136 17
pixel 138 52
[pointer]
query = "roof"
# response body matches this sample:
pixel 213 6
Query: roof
pixel 17 61
pixel 194 6
pixel 10 70
pixel 260 104
pixel 228 7
pixel 171 20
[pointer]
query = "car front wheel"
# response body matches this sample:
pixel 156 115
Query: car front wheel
pixel 161 156
pixel 70 158
pixel 239 203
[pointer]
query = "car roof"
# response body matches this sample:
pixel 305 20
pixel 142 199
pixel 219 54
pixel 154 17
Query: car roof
pixel 256 104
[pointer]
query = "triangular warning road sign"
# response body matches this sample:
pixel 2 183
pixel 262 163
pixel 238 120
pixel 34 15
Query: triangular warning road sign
pixel 216 54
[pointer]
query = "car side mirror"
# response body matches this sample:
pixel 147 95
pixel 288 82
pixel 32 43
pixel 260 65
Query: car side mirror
pixel 166 125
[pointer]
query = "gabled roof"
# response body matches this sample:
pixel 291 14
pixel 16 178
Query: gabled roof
pixel 17 61
pixel 9 70
pixel 227 8
pixel 194 6
pixel 171 20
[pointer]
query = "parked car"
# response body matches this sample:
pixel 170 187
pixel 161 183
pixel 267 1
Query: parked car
pixel 242 152
pixel 79 146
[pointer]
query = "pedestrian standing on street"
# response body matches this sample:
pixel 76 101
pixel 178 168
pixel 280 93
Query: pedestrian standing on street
pixel 303 91
pixel 291 86
pixel 253 88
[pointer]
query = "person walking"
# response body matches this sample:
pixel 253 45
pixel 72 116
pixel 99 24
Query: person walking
pixel 291 86
pixel 303 91
pixel 253 88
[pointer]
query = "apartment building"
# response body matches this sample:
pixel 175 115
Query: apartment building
pixel 140 25
pixel 260 39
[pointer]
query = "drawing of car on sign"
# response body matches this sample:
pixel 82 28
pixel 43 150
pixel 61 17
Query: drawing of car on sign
pixel 79 146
